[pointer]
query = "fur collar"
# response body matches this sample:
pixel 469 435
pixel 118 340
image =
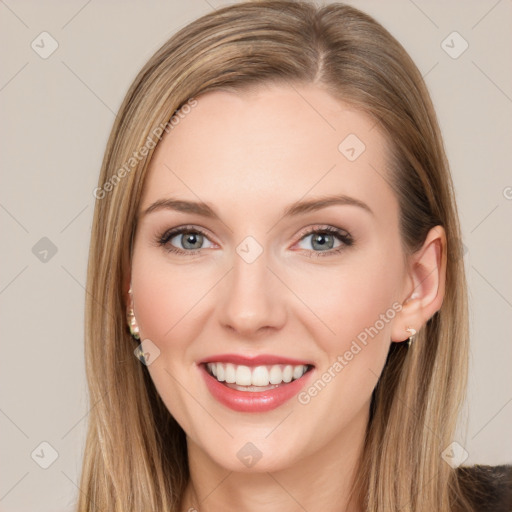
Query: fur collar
pixel 488 488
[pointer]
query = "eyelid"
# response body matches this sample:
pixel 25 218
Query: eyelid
pixel 320 228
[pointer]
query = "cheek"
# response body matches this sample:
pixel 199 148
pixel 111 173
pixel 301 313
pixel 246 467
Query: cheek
pixel 167 300
pixel 166 296
pixel 351 301
pixel 356 303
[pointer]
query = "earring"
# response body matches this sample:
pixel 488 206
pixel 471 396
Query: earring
pixel 411 332
pixel 130 317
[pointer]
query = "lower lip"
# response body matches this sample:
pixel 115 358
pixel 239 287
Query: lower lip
pixel 253 401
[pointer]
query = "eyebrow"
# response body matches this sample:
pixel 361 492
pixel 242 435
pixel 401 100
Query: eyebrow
pixel 297 208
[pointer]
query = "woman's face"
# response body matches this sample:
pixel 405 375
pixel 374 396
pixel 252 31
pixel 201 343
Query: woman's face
pixel 289 261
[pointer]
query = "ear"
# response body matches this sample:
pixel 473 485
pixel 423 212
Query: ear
pixel 425 285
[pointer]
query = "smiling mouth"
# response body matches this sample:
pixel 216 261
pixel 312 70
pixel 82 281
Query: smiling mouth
pixel 255 378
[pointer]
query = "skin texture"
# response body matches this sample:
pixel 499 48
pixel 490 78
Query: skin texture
pixel 250 155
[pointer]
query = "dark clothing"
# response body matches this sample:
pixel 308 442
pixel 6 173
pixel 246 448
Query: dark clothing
pixel 489 488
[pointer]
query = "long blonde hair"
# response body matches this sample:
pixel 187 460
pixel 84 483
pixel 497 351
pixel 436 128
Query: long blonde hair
pixel 135 455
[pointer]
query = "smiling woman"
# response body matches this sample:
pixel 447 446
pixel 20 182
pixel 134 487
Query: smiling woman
pixel 286 265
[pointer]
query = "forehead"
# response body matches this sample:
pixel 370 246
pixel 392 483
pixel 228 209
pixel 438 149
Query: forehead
pixel 268 146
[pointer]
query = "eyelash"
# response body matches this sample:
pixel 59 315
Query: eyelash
pixel 343 236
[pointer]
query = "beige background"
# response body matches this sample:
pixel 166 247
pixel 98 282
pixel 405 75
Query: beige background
pixel 57 113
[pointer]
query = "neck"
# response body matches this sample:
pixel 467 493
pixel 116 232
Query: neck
pixel 314 483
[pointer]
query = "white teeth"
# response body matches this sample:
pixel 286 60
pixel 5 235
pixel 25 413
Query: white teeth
pixel 230 373
pixel 243 376
pixel 219 372
pixel 288 373
pixel 297 372
pixel 260 376
pixel 276 375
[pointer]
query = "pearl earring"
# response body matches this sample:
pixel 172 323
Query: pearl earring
pixel 411 332
pixel 130 317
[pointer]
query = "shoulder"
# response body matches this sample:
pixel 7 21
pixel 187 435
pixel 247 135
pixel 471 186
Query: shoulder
pixel 488 488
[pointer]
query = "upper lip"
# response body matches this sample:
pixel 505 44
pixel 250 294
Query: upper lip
pixel 257 360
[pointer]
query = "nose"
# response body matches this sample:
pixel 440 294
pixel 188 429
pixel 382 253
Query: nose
pixel 252 299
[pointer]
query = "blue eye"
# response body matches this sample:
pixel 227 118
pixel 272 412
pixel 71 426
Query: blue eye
pixel 320 241
pixel 326 240
pixel 184 240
